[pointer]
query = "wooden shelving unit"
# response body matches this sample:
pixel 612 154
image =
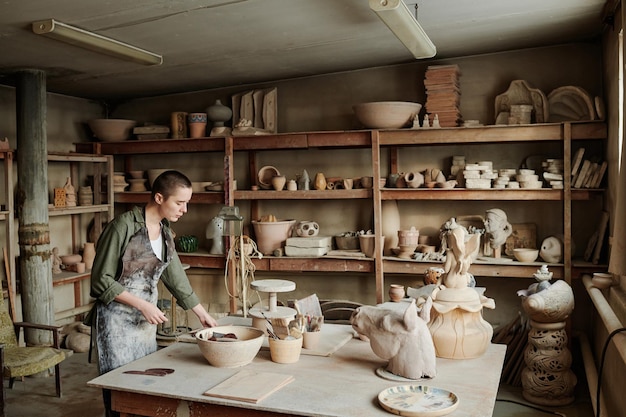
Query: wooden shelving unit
pixel 391 141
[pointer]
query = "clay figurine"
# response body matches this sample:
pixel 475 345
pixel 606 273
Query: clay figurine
pixel 498 229
pixel 402 338
pixel 214 231
pixel 56 261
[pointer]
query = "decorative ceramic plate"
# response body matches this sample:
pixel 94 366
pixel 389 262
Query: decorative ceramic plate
pixel 418 401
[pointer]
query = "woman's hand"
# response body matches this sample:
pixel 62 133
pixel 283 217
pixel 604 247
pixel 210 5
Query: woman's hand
pixel 151 312
pixel 205 318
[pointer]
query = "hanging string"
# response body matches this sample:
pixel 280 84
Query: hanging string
pixel 244 271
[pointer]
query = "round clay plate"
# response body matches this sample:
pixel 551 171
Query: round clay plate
pixel 418 401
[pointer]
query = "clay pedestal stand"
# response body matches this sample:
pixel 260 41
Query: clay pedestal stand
pixel 273 310
pixel 547 378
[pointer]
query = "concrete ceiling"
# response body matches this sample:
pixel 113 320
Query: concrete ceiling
pixel 216 43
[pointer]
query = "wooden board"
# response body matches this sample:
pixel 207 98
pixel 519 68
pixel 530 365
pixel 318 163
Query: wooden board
pixel 250 386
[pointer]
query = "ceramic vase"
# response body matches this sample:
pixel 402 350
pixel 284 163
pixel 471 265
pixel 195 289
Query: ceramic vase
pixel 390 225
pixel 89 254
pixel 70 193
pixel 320 181
pixel 219 113
pixel 396 292
pixel 278 182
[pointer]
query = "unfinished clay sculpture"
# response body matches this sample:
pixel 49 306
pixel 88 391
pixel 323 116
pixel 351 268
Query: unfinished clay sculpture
pixel 214 231
pixel 457 326
pixel 402 338
pixel 498 229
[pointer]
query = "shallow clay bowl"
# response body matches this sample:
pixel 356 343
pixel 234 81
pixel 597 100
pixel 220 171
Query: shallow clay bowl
pixel 71 259
pixel 111 130
pixel 525 254
pixel 230 354
pixel 386 114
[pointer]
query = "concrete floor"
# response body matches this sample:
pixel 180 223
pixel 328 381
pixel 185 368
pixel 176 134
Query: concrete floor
pixel 36 396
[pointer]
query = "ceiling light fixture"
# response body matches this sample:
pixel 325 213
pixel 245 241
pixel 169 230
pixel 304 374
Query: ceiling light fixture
pixel 404 25
pixel 98 43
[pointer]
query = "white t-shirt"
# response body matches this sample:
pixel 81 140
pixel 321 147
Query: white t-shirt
pixel 157 247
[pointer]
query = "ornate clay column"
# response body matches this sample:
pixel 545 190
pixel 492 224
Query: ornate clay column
pixel 547 378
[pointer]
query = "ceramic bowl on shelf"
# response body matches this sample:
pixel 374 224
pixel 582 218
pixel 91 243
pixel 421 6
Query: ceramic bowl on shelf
pixel 272 235
pixel 224 351
pixel 265 176
pixel 526 254
pixel 111 130
pixel 71 259
pixel 347 242
pixel 386 114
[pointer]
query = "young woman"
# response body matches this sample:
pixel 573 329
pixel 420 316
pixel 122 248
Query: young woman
pixel 135 250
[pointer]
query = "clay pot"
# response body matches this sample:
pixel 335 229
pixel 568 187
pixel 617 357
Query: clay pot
pixel 368 245
pixel 408 237
pixel 89 253
pixel 396 292
pixel 85 196
pixel 278 182
pixel 390 224
pixel 285 351
pixel 272 235
pixel 292 185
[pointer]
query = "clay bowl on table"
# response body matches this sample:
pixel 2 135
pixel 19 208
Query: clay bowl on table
pixel 111 130
pixel 226 352
pixel 386 114
pixel 525 254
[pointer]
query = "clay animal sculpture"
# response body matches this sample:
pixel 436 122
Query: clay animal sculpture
pixel 402 338
pixel 214 232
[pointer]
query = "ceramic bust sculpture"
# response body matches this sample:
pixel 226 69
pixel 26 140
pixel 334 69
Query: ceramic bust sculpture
pixel 214 232
pixel 498 229
pixel 401 337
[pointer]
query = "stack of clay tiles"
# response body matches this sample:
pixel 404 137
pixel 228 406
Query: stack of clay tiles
pixel 443 94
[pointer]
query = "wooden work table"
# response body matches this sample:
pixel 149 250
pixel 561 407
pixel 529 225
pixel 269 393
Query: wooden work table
pixel 343 384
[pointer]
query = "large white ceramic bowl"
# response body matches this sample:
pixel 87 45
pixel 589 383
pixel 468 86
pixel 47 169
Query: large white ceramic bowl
pixel 111 130
pixel 386 114
pixel 227 354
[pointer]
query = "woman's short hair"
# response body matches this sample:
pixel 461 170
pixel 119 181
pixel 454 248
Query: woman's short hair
pixel 168 182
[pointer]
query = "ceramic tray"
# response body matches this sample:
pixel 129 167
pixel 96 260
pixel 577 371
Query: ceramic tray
pixel 418 401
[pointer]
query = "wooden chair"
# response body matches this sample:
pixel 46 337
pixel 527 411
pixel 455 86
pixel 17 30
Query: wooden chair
pixel 20 361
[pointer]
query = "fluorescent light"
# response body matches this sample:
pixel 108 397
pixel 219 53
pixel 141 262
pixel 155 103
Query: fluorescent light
pixel 403 24
pixel 89 40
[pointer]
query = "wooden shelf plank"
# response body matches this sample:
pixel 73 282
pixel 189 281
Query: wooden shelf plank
pixel 304 194
pixel 63 211
pixel 544 194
